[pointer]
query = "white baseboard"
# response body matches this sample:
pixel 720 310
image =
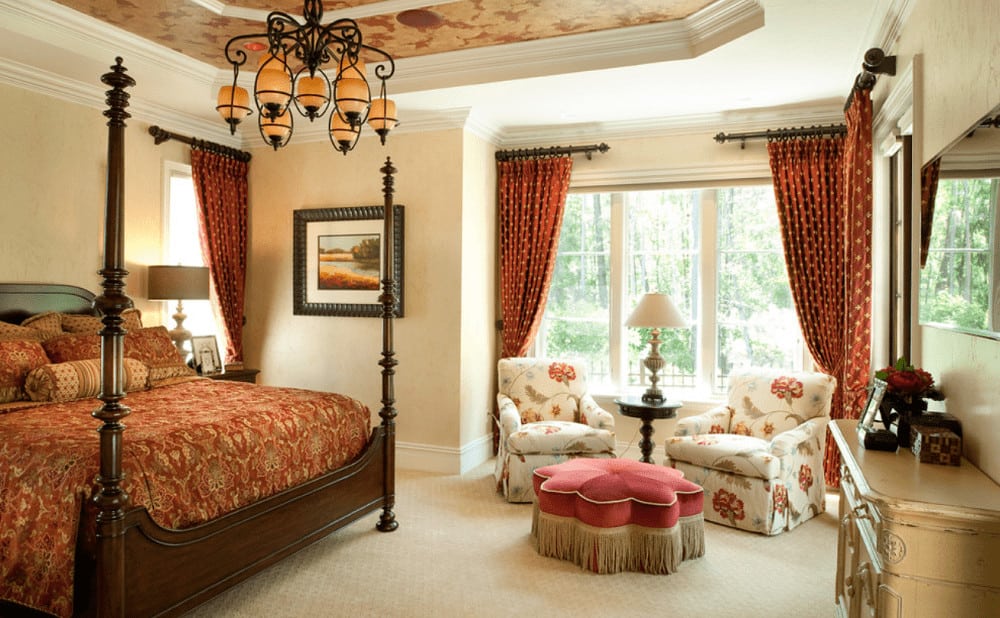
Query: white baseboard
pixel 444 459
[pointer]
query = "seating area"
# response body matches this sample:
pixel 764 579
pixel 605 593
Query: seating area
pixel 759 457
pixel 546 417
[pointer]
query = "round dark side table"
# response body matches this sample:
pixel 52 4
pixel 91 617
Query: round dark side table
pixel 647 411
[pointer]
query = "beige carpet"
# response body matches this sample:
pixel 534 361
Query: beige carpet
pixel 461 550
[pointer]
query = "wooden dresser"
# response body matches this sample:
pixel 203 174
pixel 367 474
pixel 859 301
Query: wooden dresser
pixel 916 539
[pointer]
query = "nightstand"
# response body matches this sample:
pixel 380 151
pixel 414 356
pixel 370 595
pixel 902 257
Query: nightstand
pixel 237 375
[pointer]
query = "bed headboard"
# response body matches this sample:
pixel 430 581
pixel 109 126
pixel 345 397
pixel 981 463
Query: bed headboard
pixel 19 300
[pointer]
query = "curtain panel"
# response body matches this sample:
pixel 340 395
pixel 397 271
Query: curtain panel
pixel 858 263
pixel 928 190
pixel 823 189
pixel 532 200
pixel 808 189
pixel 222 191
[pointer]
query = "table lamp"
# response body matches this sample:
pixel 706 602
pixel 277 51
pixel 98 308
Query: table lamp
pixel 178 283
pixel 655 311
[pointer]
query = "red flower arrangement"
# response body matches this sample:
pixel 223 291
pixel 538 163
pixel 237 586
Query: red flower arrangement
pixel 908 385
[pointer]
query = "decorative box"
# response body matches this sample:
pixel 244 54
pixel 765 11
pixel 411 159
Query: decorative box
pixel 936 445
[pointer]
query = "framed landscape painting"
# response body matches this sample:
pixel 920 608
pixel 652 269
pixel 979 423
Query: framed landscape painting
pixel 338 259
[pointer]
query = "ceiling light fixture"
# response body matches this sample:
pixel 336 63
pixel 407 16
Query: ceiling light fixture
pixel 309 47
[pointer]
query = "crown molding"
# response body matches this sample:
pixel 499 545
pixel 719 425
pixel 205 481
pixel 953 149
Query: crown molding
pixel 711 27
pixel 417 122
pixel 745 120
pixel 93 95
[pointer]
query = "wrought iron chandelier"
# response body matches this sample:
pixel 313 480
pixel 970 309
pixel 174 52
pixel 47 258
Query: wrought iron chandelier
pixel 290 74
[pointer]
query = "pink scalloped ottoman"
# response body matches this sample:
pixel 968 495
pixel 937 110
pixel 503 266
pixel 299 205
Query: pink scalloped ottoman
pixel 611 515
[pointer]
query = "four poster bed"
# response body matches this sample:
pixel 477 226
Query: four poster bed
pixel 213 480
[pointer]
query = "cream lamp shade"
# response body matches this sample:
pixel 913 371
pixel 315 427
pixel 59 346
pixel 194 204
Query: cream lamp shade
pixel 655 311
pixel 178 283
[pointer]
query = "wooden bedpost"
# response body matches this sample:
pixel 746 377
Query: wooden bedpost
pixel 387 521
pixel 109 498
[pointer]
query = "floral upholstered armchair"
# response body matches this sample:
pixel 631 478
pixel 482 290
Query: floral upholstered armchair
pixel 546 417
pixel 759 458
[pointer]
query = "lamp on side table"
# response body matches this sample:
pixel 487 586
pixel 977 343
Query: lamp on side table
pixel 655 311
pixel 178 283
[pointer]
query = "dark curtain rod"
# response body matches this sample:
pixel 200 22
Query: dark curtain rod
pixel 507 155
pixel 771 134
pixel 875 63
pixel 160 136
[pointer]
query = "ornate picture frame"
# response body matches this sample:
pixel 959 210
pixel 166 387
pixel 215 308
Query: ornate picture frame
pixel 338 261
pixel 205 351
pixel 871 411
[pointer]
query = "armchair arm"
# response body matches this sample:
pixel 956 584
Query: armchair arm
pixel 510 418
pixel 594 415
pixel 703 423
pixel 788 442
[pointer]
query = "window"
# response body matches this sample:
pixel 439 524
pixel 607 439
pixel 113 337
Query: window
pixel 958 280
pixel 181 245
pixel 715 251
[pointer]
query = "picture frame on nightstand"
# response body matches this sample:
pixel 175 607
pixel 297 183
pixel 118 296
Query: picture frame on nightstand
pixel 868 435
pixel 205 350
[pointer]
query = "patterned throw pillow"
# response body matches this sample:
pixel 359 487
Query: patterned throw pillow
pixel 152 346
pixel 79 379
pixel 17 359
pixel 13 331
pixel 49 324
pixel 66 348
pixel 90 324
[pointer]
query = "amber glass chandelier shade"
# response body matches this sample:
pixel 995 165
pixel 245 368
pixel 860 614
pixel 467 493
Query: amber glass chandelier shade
pixel 277 130
pixel 382 116
pixel 311 93
pixel 351 69
pixel 343 135
pixel 273 89
pixel 352 98
pixel 233 104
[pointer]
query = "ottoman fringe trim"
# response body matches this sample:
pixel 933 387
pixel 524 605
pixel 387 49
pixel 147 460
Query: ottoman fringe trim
pixel 623 548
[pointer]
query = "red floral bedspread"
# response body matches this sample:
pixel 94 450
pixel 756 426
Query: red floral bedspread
pixel 192 451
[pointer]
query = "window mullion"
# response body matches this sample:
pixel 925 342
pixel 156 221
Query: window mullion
pixel 707 290
pixel 617 310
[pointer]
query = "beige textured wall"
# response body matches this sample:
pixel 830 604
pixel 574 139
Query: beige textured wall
pixel 53 188
pixel 479 250
pixel 959 83
pixel 341 353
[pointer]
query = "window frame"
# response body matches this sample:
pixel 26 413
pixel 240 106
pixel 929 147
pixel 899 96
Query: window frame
pixel 706 286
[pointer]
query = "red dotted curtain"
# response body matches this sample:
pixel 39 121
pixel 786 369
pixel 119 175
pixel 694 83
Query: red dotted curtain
pixel 823 188
pixel 928 189
pixel 807 176
pixel 858 263
pixel 221 188
pixel 532 199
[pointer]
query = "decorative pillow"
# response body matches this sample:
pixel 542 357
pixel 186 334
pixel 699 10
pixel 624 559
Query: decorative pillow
pixel 79 379
pixel 13 331
pixel 49 324
pixel 90 324
pixel 17 359
pixel 67 348
pixel 152 346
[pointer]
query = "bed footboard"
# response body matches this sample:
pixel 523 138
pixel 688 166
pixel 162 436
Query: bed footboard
pixel 168 572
